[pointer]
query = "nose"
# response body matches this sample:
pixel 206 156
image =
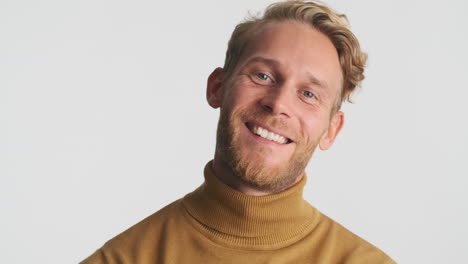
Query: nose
pixel 277 101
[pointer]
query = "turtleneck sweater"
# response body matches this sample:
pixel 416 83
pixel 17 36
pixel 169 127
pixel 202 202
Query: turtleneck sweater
pixel 217 224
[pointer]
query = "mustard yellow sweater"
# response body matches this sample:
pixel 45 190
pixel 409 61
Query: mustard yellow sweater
pixel 217 224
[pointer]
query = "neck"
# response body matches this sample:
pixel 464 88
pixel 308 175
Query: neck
pixel 224 173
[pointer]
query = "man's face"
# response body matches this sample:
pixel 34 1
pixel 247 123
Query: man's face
pixel 276 106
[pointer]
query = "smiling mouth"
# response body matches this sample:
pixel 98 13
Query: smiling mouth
pixel 266 134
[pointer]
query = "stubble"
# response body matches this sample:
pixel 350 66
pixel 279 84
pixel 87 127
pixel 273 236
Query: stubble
pixel 255 173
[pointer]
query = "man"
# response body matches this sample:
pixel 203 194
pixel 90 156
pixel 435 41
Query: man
pixel 279 93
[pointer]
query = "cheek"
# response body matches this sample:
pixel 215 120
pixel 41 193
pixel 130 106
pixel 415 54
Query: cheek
pixel 314 128
pixel 240 96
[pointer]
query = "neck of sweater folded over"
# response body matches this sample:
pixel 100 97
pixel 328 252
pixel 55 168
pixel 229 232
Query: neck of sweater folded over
pixel 253 222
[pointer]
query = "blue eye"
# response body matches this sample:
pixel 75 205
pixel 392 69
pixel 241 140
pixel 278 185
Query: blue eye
pixel 308 94
pixel 263 76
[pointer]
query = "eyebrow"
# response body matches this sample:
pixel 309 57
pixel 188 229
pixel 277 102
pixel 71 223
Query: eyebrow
pixel 274 63
pixel 269 62
pixel 314 80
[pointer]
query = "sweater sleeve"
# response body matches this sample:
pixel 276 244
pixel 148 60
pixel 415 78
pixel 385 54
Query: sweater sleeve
pixel 96 258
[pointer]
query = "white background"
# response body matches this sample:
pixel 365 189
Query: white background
pixel 103 121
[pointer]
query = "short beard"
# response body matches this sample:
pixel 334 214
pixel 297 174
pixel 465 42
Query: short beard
pixel 252 173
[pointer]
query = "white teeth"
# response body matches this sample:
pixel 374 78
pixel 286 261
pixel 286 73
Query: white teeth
pixel 269 135
pixel 276 138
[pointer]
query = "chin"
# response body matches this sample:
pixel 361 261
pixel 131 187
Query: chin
pixel 265 174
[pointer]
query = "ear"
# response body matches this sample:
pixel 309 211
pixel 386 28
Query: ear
pixel 334 128
pixel 213 88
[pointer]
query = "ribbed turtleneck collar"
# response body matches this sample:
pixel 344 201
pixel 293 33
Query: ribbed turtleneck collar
pixel 255 222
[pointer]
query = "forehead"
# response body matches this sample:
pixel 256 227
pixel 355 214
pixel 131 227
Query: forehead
pixel 298 49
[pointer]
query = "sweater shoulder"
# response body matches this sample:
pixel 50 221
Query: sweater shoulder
pixel 347 247
pixel 132 244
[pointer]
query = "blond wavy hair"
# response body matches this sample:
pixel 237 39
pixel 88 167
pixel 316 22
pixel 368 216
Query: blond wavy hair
pixel 334 25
